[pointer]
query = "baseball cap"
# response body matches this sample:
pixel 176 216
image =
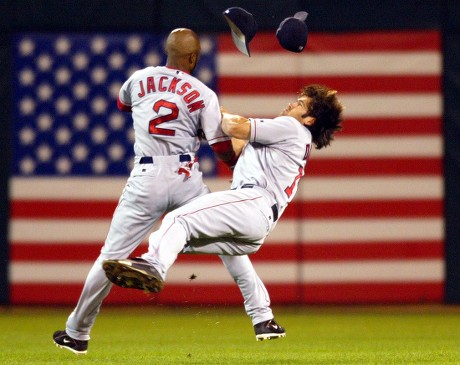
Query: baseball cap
pixel 243 27
pixel 292 32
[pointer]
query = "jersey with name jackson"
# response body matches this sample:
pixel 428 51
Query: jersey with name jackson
pixel 169 107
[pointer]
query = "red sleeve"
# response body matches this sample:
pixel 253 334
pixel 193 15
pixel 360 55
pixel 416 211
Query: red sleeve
pixel 224 150
pixel 123 107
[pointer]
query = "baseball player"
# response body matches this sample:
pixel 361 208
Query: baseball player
pixel 265 179
pixel 169 108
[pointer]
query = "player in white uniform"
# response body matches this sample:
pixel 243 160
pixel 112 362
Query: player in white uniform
pixel 169 107
pixel 265 180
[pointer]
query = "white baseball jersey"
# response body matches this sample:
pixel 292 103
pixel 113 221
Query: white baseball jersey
pixel 168 108
pixel 275 158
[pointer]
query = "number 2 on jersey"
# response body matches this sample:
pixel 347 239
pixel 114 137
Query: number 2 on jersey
pixel 153 124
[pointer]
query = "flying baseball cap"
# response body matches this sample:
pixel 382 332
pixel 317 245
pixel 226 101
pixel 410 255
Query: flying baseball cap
pixel 292 32
pixel 243 27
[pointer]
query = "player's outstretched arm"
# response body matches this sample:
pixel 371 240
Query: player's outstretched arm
pixel 236 126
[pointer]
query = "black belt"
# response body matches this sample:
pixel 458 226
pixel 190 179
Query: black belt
pixel 274 206
pixel 275 212
pixel 148 159
pixel 247 186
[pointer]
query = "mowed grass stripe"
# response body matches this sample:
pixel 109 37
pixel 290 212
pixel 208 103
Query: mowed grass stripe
pixel 208 335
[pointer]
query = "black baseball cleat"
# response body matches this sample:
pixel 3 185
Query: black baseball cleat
pixel 135 273
pixel 269 330
pixel 64 341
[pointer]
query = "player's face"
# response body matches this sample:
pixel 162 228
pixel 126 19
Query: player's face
pixel 297 109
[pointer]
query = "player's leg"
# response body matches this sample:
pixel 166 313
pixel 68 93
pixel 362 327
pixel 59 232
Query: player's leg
pixel 212 224
pixel 145 199
pixel 256 298
pixel 130 224
pixel 97 286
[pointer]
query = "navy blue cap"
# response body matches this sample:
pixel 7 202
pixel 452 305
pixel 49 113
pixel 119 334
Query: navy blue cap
pixel 243 27
pixel 292 32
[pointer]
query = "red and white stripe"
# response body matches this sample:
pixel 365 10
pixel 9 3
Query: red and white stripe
pixel 366 225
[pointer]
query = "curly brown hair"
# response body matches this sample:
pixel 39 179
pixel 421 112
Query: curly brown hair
pixel 327 109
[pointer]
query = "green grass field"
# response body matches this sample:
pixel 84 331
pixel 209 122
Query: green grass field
pixel 208 335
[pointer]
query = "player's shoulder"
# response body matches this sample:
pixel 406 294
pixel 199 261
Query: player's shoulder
pixel 289 122
pixel 294 125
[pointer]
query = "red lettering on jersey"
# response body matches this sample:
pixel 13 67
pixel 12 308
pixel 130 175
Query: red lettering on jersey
pixel 184 88
pixel 307 152
pixel 153 124
pixel 173 84
pixel 290 189
pixel 161 87
pixel 151 84
pixel 192 95
pixel 142 93
pixel 195 106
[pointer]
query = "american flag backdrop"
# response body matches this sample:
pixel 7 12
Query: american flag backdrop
pixel 366 225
